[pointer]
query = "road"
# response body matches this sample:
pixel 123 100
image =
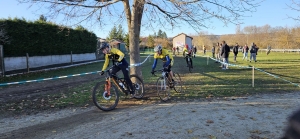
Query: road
pixel 256 117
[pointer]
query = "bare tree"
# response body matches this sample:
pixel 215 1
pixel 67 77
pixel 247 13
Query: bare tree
pixel 295 6
pixel 197 14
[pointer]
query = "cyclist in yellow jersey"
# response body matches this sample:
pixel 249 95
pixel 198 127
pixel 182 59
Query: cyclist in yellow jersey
pixel 119 63
pixel 167 59
pixel 187 52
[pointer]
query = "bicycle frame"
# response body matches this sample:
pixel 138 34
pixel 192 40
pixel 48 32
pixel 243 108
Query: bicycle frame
pixel 116 80
pixel 106 93
pixel 188 57
pixel 164 75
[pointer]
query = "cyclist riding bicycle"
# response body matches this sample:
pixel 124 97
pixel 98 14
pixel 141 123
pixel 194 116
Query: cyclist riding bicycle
pixel 187 52
pixel 167 59
pixel 119 61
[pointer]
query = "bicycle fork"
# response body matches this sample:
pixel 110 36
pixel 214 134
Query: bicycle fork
pixel 107 87
pixel 163 84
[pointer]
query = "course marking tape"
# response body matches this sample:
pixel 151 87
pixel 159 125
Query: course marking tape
pixel 66 76
pixel 255 69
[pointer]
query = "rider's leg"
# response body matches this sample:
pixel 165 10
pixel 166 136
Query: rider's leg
pixel 125 71
pixel 191 62
pixel 186 59
pixel 170 73
pixel 115 69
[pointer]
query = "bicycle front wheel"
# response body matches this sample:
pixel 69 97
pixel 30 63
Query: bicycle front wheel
pixel 102 99
pixel 177 82
pixel 138 85
pixel 163 89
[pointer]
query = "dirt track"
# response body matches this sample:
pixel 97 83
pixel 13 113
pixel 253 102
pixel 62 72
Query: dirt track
pixel 253 117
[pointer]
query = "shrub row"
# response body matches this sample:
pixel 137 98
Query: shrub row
pixel 41 38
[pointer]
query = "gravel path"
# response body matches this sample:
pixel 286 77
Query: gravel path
pixel 253 117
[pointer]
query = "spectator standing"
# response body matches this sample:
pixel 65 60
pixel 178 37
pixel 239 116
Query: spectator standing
pixel 225 54
pixel 195 51
pixel 218 53
pixel 235 51
pixel 177 50
pixel 253 52
pixel 245 51
pixel 268 50
pixel 173 50
pixel 204 49
pixel 213 51
pixel 256 47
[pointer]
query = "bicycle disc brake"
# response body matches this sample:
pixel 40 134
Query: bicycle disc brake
pixel 106 96
pixel 136 86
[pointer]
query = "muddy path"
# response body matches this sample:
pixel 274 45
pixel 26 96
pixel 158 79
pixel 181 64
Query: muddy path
pixel 252 117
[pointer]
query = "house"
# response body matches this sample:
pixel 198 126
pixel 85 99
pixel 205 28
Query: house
pixel 180 40
pixel 115 43
pixel 98 53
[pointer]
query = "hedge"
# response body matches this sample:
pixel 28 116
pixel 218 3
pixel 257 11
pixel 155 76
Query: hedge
pixel 41 38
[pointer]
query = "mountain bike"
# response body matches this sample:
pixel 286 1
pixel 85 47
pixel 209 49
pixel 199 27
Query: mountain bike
pixel 106 93
pixel 189 61
pixel 164 84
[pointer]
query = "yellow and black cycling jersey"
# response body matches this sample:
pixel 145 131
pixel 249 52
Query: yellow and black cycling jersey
pixel 163 55
pixel 115 55
pixel 186 51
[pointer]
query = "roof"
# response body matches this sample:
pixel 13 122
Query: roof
pixel 183 34
pixel 116 41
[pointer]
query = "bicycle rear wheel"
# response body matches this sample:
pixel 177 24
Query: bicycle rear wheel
pixel 163 89
pixel 177 84
pixel 101 98
pixel 138 85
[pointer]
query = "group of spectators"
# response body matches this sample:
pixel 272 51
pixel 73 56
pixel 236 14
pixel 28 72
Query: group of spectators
pixel 222 50
pixel 253 52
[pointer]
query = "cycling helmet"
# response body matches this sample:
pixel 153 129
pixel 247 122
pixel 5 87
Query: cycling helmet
pixel 103 45
pixel 157 48
pixel 186 46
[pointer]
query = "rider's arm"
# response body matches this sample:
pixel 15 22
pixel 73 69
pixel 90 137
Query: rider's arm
pixel 168 61
pixel 105 63
pixel 118 52
pixel 184 51
pixel 154 64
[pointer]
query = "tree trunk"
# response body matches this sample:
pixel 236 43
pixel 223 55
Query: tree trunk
pixel 134 35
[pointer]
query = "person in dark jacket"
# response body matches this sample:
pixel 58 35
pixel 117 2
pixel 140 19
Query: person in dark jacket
pixel 213 51
pixel 195 51
pixel 253 52
pixel 225 54
pixel 235 51
pixel 245 51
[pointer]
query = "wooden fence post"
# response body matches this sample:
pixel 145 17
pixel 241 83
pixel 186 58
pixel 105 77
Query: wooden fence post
pixel 253 76
pixel 207 59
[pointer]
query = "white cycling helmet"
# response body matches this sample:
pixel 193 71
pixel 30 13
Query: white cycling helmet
pixel 157 48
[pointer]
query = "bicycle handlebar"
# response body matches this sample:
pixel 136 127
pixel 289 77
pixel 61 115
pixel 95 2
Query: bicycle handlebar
pixel 161 70
pixel 107 71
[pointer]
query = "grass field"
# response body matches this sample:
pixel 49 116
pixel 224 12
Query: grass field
pixel 274 73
